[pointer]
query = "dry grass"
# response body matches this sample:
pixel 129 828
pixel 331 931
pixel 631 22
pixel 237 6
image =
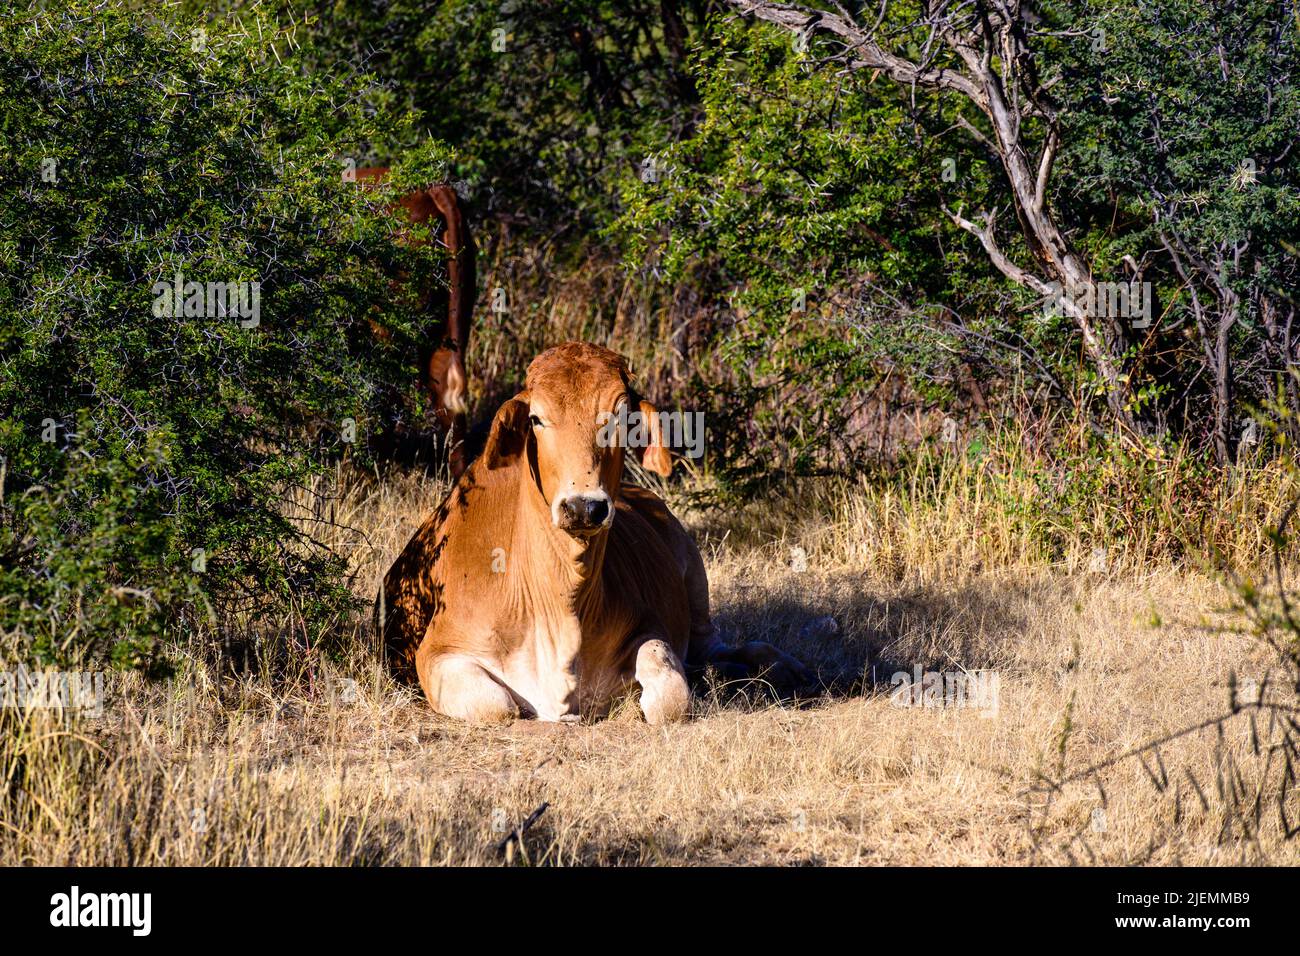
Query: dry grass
pixel 340 767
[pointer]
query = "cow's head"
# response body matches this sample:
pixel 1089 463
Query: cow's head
pixel 560 426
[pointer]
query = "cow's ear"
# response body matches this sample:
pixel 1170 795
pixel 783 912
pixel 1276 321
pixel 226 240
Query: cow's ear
pixel 509 434
pixel 655 456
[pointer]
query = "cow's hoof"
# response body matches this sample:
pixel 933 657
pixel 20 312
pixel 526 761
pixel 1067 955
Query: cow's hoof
pixel 665 708
pixel 461 688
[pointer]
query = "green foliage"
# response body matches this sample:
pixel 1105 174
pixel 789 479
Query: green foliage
pixel 814 202
pixel 545 103
pixel 800 208
pixel 803 174
pixel 1185 162
pixel 147 452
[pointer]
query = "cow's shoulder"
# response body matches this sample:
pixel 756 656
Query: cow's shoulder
pixel 480 513
pixel 655 515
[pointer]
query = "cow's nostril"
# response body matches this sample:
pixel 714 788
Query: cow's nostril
pixel 583 512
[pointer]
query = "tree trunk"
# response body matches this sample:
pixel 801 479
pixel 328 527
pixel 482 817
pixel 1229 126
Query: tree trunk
pixel 1224 440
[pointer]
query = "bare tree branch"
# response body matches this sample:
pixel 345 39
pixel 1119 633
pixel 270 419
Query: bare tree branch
pixel 867 53
pixel 1000 79
pixel 999 259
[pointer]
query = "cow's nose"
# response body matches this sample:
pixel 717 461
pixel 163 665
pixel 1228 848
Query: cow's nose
pixel 583 512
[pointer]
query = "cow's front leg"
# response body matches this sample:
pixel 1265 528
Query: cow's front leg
pixel 460 687
pixel 665 696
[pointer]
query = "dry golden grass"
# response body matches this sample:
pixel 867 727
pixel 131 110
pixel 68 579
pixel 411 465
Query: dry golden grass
pixel 341 767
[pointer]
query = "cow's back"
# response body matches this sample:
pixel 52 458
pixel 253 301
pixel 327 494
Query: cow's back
pixel 409 597
pixel 686 561
pixel 646 561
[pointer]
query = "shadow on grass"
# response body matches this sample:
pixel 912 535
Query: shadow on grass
pixel 855 635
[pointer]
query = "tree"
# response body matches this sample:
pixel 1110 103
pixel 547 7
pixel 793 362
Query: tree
pixel 980 52
pixel 1196 146
pixel 544 102
pixel 809 206
pixel 1196 150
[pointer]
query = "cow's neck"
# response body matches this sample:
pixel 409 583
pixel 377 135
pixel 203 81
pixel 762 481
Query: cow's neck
pixel 570 566
pixel 555 594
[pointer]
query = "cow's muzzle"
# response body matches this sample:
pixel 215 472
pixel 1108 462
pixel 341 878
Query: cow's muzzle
pixel 584 513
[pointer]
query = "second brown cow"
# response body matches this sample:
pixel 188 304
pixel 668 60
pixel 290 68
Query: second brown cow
pixel 445 339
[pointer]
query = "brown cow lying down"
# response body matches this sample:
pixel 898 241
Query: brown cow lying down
pixel 544 586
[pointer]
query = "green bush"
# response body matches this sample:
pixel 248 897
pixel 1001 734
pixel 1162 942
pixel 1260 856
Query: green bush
pixel 545 102
pixel 147 450
pixel 813 206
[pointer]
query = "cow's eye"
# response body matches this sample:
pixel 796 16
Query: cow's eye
pixel 534 421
